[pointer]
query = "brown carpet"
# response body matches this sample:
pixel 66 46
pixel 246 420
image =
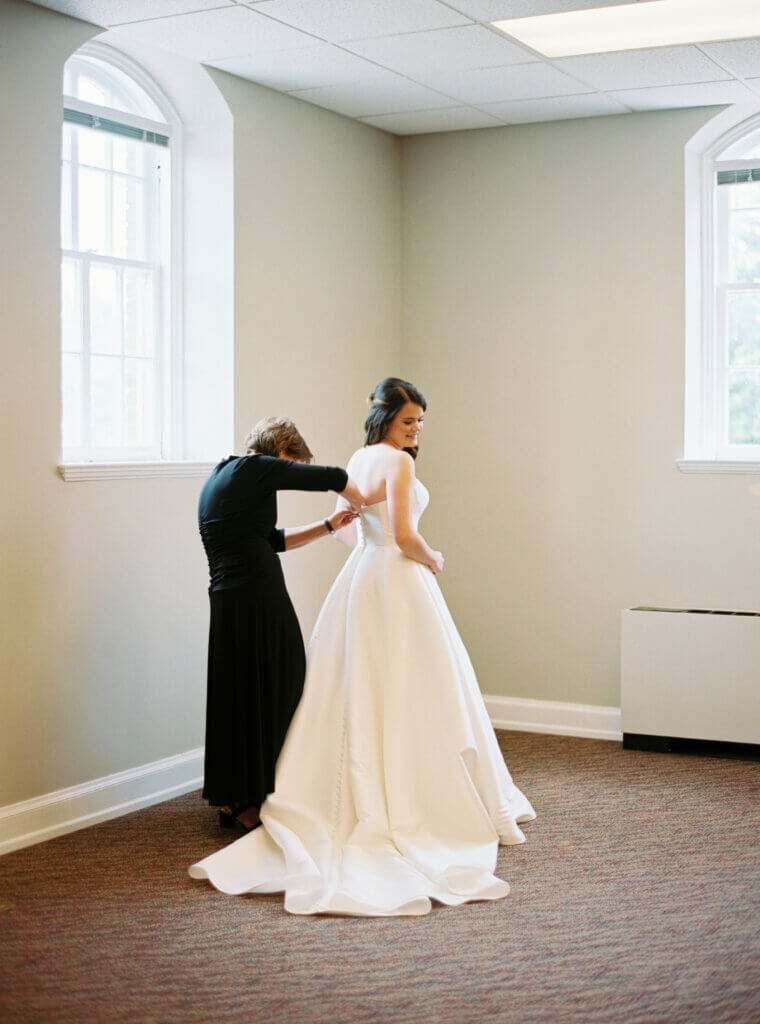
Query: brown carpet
pixel 635 899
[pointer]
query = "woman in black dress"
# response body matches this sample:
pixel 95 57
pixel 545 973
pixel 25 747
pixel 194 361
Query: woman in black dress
pixel 256 661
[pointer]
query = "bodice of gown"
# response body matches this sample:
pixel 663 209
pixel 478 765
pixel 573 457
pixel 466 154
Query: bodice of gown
pixel 374 526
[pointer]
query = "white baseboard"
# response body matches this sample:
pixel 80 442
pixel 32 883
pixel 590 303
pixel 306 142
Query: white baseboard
pixel 66 810
pixel 521 715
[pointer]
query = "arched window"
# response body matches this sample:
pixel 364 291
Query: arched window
pixel 723 295
pixel 120 270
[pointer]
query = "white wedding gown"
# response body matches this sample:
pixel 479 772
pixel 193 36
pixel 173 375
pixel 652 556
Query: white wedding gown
pixel 391 790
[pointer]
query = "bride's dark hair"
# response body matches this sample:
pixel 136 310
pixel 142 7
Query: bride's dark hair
pixel 385 401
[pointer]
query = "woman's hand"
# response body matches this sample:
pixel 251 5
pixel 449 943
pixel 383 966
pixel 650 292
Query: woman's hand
pixel 353 495
pixel 436 565
pixel 342 517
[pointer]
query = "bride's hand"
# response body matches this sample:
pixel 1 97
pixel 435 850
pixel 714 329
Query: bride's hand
pixel 353 495
pixel 436 565
pixel 342 518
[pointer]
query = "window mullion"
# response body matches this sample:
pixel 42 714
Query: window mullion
pixel 122 356
pixel 115 261
pixel 171 186
pixel 86 349
pixel 74 185
pixel 152 228
pixel 109 213
pixel 720 370
pixel 163 398
pixel 711 270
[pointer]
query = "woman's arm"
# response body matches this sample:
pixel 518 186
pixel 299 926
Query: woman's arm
pixel 399 487
pixel 285 475
pixel 297 536
pixel 346 534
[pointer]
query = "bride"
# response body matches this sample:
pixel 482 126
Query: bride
pixel 390 790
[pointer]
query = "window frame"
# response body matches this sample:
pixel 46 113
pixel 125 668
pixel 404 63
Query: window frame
pixel 705 442
pixel 170 449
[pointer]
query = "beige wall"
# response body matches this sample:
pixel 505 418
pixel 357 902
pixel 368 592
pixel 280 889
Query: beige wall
pixel 103 621
pixel 543 318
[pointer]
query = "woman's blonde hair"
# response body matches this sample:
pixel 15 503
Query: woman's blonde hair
pixel 272 435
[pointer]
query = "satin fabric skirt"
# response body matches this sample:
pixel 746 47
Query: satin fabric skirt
pixel 256 668
pixel 391 789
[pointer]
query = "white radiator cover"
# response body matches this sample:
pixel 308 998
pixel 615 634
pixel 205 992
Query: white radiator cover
pixel 691 674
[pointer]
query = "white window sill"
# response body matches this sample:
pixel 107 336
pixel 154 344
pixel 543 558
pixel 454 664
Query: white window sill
pixel 717 466
pixel 72 471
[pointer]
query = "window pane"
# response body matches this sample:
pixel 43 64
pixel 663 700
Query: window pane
pixel 71 307
pixel 96 81
pixel 744 245
pixel 745 194
pixel 94 147
pixel 93 209
pixel 744 407
pixel 140 402
pixel 92 92
pixel 126 155
pixel 105 309
pixel 139 325
pixel 128 219
pixel 71 387
pixel 105 396
pixel 744 329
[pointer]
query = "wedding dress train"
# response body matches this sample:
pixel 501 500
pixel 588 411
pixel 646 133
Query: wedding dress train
pixel 391 790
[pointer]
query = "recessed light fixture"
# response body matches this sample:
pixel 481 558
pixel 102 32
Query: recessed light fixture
pixel 635 26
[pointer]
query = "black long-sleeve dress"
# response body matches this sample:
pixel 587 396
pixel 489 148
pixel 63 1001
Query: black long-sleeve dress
pixel 256 660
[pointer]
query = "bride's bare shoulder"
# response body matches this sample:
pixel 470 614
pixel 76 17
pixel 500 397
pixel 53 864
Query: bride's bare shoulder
pixel 402 461
pixel 381 454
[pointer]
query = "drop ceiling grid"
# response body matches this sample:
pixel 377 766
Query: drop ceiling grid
pixel 425 65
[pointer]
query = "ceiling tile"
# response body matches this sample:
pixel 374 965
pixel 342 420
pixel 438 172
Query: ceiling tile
pixel 304 68
pixel 490 85
pixel 701 94
pixel 633 69
pixel 416 122
pixel 493 10
pixel 453 64
pixel 117 12
pixel 374 96
pixel 557 108
pixel 340 20
pixel 212 35
pixel 446 49
pixel 741 57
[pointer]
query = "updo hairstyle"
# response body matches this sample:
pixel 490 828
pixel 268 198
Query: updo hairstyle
pixel 390 395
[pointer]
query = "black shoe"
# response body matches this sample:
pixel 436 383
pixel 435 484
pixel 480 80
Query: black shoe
pixel 229 819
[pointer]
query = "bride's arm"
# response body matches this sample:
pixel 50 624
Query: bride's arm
pixel 399 486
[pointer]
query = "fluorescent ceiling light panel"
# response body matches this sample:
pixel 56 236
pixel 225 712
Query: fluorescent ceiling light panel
pixel 635 26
